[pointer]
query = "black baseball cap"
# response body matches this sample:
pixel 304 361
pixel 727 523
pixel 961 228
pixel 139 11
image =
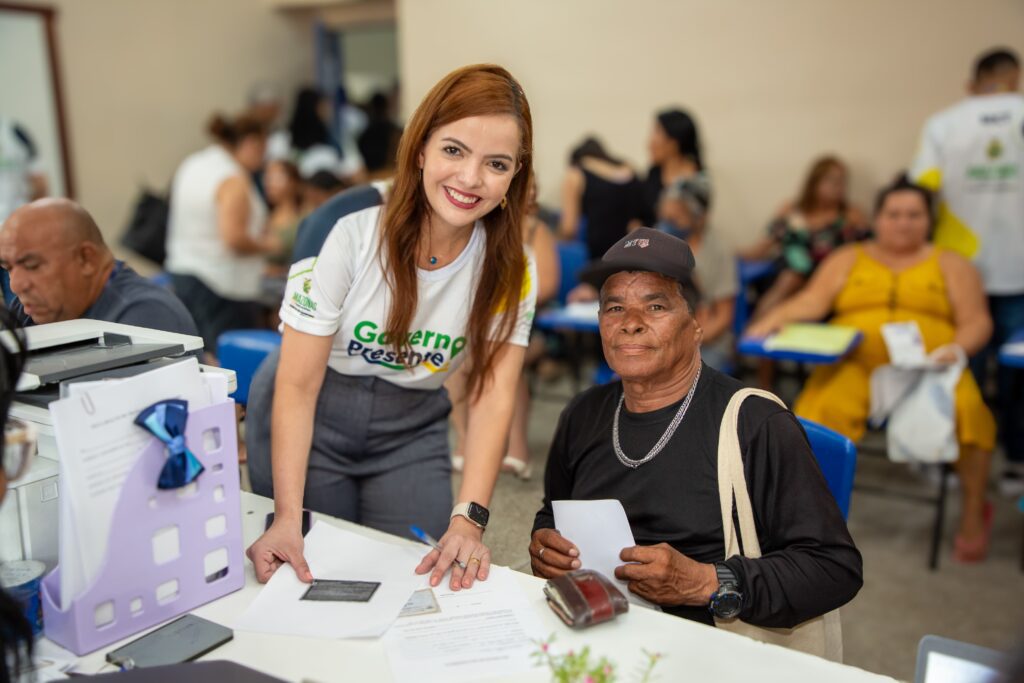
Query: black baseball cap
pixel 646 250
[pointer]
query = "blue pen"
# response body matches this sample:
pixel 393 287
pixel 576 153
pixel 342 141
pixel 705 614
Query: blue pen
pixel 429 540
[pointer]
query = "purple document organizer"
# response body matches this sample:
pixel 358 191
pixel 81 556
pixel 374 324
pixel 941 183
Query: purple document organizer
pixel 128 582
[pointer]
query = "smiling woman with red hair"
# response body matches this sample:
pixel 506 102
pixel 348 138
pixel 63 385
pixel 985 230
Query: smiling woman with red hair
pixel 398 298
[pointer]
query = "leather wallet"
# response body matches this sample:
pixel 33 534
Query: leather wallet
pixel 584 597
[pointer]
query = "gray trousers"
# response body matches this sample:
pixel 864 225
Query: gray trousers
pixel 379 456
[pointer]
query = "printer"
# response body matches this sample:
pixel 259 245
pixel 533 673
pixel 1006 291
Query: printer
pixel 60 354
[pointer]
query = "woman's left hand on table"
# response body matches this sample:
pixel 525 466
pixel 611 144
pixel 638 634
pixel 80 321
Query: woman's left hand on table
pixel 461 543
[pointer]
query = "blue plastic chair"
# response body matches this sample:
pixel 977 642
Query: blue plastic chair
pixel 837 457
pixel 748 272
pixel 243 351
pixel 572 257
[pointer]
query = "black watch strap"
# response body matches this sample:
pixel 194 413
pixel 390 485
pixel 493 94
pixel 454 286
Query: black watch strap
pixel 726 576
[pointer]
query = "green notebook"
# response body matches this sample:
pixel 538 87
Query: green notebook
pixel 816 338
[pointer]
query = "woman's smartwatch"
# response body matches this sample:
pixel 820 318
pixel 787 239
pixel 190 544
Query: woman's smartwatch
pixel 727 601
pixel 474 512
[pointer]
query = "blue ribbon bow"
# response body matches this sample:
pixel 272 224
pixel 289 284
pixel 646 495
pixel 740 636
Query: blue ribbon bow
pixel 166 421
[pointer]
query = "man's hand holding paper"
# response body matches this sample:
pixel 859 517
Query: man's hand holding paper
pixel 665 576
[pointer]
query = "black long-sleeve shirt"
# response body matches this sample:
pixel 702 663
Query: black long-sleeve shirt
pixel 809 564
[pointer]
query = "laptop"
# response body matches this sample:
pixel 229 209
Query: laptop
pixel 941 660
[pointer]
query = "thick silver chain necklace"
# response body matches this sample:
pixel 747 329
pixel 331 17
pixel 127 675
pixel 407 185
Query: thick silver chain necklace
pixel 665 438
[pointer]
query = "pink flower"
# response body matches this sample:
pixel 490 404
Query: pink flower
pixel 589 679
pixel 607 669
pixel 544 646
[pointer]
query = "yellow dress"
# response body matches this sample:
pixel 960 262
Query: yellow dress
pixel 837 396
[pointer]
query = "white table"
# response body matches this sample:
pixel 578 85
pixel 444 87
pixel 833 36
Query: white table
pixel 692 651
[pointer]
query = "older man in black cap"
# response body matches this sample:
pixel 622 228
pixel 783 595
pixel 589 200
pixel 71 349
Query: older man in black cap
pixel 651 441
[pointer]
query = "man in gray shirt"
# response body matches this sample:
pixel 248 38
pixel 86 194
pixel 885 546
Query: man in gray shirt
pixel 61 269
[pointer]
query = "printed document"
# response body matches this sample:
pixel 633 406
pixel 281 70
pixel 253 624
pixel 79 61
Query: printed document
pixel 483 632
pixel 99 443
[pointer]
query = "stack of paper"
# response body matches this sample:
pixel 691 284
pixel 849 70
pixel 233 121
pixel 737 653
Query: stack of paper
pixel 816 338
pixel 99 444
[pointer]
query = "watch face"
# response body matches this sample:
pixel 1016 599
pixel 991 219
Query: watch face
pixel 479 514
pixel 728 604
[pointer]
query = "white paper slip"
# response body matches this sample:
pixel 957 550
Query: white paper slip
pixel 484 632
pixel 600 530
pixel 583 310
pixel 99 443
pixel 905 345
pixel 1013 349
pixel 334 553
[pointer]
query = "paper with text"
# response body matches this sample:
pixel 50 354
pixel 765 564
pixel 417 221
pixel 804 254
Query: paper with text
pixel 98 444
pixel 487 631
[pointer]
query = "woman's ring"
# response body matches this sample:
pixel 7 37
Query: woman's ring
pixel 472 559
pixel 540 553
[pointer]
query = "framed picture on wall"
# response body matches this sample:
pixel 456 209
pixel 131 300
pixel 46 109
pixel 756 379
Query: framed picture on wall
pixel 34 150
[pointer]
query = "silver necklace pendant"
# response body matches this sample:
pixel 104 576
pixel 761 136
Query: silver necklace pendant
pixel 665 438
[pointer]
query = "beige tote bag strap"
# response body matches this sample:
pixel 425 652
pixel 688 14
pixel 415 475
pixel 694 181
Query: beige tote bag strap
pixel 732 483
pixel 822 636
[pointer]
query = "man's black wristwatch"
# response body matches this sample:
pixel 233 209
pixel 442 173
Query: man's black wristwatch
pixel 474 512
pixel 727 601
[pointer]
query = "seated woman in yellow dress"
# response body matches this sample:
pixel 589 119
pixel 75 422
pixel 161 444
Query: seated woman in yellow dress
pixel 900 277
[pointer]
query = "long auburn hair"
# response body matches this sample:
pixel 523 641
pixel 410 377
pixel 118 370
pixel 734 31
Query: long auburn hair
pixel 809 194
pixel 477 90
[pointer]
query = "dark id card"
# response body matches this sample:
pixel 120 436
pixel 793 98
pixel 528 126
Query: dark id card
pixel 326 590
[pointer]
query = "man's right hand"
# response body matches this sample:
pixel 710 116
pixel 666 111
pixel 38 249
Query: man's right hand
pixel 280 544
pixel 552 555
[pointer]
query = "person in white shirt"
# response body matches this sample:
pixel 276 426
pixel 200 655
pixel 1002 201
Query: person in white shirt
pixel 972 154
pixel 398 298
pixel 216 233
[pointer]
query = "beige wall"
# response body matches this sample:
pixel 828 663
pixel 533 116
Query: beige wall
pixel 772 83
pixel 142 78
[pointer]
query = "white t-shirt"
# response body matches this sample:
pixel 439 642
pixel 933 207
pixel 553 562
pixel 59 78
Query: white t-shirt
pixel 194 245
pixel 973 153
pixel 343 292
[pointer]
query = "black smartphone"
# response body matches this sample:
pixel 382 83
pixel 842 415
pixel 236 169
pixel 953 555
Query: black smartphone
pixel 307 521
pixel 182 640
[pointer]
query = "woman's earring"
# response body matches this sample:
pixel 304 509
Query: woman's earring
pixel 504 202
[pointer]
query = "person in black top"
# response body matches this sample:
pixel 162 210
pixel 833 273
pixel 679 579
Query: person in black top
pixel 607 446
pixel 600 190
pixel 16 640
pixel 675 153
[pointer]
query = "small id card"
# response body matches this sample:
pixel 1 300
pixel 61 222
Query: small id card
pixel 421 602
pixel 326 590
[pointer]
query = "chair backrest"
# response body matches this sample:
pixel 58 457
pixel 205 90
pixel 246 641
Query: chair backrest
pixel 243 351
pixel 748 272
pixel 572 257
pixel 837 457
